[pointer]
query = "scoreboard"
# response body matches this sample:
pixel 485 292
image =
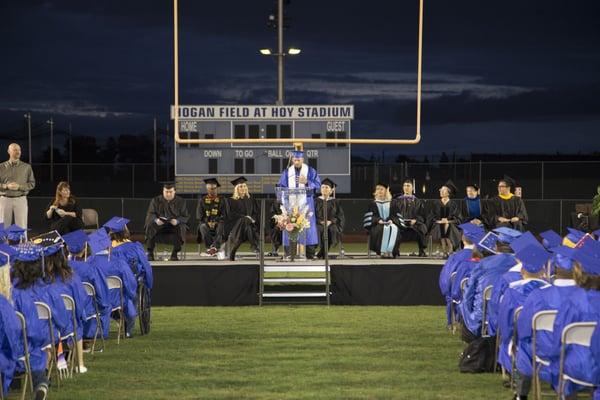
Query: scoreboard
pixel 261 163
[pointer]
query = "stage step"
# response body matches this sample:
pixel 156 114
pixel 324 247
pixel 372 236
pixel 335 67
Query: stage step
pixel 295 280
pixel 295 294
pixel 294 268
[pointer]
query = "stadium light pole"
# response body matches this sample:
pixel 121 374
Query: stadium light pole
pixel 28 118
pixel 51 123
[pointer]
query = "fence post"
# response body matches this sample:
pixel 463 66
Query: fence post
pixel 133 180
pixel 542 180
pixel 561 217
pixel 480 169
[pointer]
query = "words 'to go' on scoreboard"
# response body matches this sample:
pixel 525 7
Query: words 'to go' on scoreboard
pixel 261 163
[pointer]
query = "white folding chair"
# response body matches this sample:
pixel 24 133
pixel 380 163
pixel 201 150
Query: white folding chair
pixel 541 321
pixel 45 314
pixel 487 295
pixel 73 356
pixel 26 378
pixel 579 333
pixel 91 292
pixel 115 283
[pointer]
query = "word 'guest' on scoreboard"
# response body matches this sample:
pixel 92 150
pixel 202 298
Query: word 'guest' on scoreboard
pixel 261 163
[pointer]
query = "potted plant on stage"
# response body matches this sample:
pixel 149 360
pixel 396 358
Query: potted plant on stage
pixel 295 223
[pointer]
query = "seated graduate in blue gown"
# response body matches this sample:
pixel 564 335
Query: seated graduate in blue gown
pixel 533 259
pixel 515 241
pixel 115 266
pixel 548 297
pixel 27 269
pixel 10 342
pixel 76 244
pixel 132 252
pixel 583 305
pixel 470 234
pixel 60 275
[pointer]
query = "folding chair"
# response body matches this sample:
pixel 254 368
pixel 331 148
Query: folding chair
pixel 579 333
pixel 90 220
pixel 367 219
pixel 541 321
pixel 453 317
pixel 45 314
pixel 513 345
pixel 115 283
pixel 91 292
pixel 487 295
pixel 73 356
pixel 26 378
pixel 463 284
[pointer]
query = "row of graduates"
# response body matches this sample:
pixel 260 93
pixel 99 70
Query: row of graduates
pixel 227 223
pixel 557 274
pixel 49 266
pixel 394 220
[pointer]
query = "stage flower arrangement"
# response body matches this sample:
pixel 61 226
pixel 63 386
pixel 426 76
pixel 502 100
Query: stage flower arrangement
pixel 293 223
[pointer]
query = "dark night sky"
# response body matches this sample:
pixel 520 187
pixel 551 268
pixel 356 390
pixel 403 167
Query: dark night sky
pixel 504 76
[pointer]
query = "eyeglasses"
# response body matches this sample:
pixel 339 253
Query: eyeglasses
pixel 502 186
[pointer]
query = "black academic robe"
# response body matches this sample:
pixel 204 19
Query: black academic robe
pixel 239 228
pixel 513 207
pixel 67 223
pixel 275 232
pixel 371 223
pixel 451 211
pixel 166 210
pixel 485 213
pixel 211 210
pixel 335 214
pixel 412 208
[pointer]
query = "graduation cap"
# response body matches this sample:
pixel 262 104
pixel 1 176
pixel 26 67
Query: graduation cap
pixel 15 232
pixel 28 252
pixel 297 154
pixel 51 250
pixel 488 242
pixel 474 186
pixel 526 239
pixel 573 237
pixel 472 232
pixel 9 250
pixel 99 240
pixel 597 233
pixel 550 239
pixel 212 181
pixel 48 239
pixel 3 234
pixel 328 182
pixel 533 258
pixel 75 241
pixel 588 256
pixel 385 185
pixel 507 235
pixel 238 181
pixel 451 187
pixel 116 224
pixel 509 181
pixel 563 257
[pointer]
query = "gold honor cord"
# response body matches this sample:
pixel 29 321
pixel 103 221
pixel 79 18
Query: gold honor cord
pixel 297 142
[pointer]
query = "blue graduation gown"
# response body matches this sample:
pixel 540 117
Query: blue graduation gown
pixel 135 256
pixel 463 270
pixel 37 332
pixel 118 267
pixel 93 275
pixel 582 306
pixel 489 270
pixel 83 304
pixel 445 281
pixel 500 286
pixel 10 342
pixel 312 185
pixel 513 297
pixel 549 297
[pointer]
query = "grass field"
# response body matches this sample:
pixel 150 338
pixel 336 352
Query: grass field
pixel 284 352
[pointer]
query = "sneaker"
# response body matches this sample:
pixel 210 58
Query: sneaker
pixel 173 257
pixel 212 251
pixel 151 256
pixel 204 254
pixel 41 392
pixel 81 370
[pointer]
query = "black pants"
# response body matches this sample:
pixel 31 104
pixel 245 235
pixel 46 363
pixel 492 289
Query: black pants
pixel 167 232
pixel 66 224
pixel 211 237
pixel 275 238
pixel 407 235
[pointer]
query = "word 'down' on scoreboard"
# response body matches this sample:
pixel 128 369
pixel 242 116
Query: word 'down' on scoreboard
pixel 262 163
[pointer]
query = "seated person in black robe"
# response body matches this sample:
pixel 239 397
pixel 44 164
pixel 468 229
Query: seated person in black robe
pixel 412 214
pixel 444 219
pixel 381 222
pixel 211 212
pixel 335 217
pixel 167 215
pixel 507 209
pixel 473 209
pixel 64 213
pixel 242 218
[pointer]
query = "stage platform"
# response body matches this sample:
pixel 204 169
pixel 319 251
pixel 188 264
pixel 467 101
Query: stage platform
pixel 199 281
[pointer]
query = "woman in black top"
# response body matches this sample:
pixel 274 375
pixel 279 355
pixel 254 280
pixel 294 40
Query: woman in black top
pixel 444 219
pixel 64 213
pixel 242 218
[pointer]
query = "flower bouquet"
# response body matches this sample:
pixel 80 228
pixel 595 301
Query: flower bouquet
pixel 294 223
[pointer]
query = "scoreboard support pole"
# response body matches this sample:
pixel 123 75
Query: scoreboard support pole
pixel 296 142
